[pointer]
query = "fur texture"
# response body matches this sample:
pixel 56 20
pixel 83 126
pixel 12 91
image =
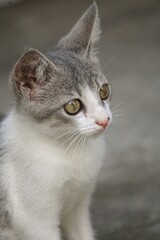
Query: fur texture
pixel 49 159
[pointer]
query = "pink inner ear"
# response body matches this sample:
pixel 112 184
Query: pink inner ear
pixel 25 79
pixel 31 71
pixel 26 89
pixel 29 83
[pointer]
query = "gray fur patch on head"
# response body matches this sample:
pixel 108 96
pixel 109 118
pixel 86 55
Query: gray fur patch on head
pixel 73 73
pixel 43 84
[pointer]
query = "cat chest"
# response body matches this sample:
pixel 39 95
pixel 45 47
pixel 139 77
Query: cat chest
pixel 72 193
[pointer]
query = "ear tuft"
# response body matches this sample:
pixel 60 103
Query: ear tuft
pixel 83 36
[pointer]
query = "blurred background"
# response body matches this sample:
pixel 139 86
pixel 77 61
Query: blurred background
pixel 126 203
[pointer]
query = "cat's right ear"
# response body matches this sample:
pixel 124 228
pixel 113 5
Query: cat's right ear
pixel 84 35
pixel 30 73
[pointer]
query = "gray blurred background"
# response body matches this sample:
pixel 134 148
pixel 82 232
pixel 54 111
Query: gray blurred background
pixel 126 204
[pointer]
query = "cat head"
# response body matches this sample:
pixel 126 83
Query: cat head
pixel 65 88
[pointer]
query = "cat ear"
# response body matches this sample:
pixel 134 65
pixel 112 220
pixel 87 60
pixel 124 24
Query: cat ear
pixel 83 36
pixel 30 73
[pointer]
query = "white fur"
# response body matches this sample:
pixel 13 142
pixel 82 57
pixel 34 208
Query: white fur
pixel 48 190
pixel 95 111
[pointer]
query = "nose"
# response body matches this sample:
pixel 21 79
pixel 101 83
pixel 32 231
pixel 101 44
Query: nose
pixel 103 123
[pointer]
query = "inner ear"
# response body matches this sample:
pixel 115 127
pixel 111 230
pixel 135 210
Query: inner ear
pixel 31 72
pixel 83 36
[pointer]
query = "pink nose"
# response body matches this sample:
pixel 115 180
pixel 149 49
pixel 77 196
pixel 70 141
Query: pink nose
pixel 103 123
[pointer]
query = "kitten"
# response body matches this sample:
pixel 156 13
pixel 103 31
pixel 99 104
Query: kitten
pixel 52 141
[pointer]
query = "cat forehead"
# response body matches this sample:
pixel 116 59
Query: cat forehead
pixel 75 73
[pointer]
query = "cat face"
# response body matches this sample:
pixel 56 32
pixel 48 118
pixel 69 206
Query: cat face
pixel 91 113
pixel 66 88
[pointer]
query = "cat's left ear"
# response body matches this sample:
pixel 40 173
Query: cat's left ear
pixel 83 36
pixel 32 71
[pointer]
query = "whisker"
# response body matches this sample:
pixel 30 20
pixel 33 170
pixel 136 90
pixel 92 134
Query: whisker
pixel 115 71
pixel 75 133
pixel 119 111
pixel 119 118
pixel 69 146
pixel 80 145
pixel 83 145
pixel 116 106
pixel 124 124
pixel 62 135
pixel 118 125
pixel 114 57
pixel 73 155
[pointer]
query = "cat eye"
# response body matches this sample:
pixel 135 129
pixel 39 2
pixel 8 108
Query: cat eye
pixel 73 107
pixel 104 92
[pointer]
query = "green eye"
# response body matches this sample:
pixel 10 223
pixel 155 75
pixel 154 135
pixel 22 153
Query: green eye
pixel 104 92
pixel 73 107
